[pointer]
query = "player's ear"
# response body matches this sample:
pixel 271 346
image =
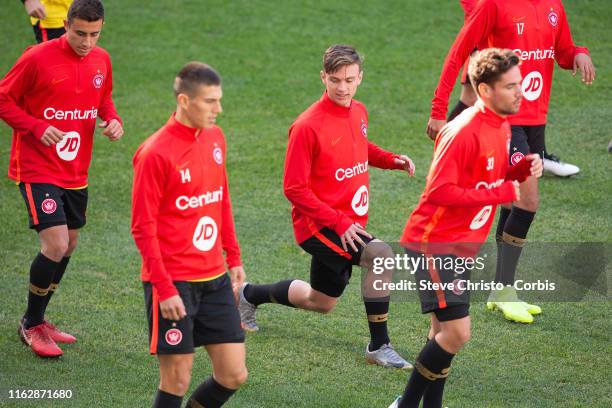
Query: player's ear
pixel 182 100
pixel 323 77
pixel 484 90
pixel 360 77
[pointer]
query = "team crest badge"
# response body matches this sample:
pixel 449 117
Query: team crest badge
pixel 49 206
pixel 98 80
pixel 553 18
pixel 174 337
pixel 364 129
pixel 516 157
pixel 218 155
pixel 458 287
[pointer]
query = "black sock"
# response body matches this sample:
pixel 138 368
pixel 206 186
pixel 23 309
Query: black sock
pixel 433 364
pixel 513 240
pixel 459 107
pixel 164 399
pixel 57 277
pixel 274 293
pixel 209 394
pixel 377 312
pixel 504 213
pixel 41 275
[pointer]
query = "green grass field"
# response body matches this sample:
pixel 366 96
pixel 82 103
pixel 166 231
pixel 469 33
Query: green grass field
pixel 269 53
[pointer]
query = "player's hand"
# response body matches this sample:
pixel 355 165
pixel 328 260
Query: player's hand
pixel 517 190
pixel 584 64
pixel 173 308
pixel 537 166
pixel 51 136
pixel 112 129
pixel 237 277
pixel 434 126
pixel 406 163
pixel 351 235
pixel 34 8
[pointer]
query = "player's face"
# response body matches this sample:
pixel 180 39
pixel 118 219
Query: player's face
pixel 506 94
pixel 202 109
pixel 83 35
pixel 342 84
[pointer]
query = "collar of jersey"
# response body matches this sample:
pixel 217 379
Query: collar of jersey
pixel 333 108
pixel 492 118
pixel 186 132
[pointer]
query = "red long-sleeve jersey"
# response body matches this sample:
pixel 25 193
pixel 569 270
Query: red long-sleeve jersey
pixel 50 85
pixel 181 209
pixel 468 177
pixel 326 167
pixel 537 30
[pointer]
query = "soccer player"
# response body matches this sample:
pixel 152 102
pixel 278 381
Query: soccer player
pixel 48 17
pixel 326 180
pixel 51 98
pixel 552 163
pixel 468 177
pixel 539 33
pixel 182 223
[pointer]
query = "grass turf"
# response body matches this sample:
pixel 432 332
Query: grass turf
pixel 269 55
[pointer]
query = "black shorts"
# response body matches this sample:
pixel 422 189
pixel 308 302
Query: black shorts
pixel 212 317
pixel 525 140
pixel 331 266
pixel 46 34
pixel 49 205
pixel 446 303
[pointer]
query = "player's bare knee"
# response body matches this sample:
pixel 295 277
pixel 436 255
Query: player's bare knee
pixel 54 249
pixel 462 337
pixel 71 247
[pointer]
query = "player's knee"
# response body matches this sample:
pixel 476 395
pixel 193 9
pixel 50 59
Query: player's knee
pixel 462 337
pixel 375 251
pixel 233 380
pixel 71 247
pixel 55 250
pixel 177 383
pixel 530 202
pixel 325 308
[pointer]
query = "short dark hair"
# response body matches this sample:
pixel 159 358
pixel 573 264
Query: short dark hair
pixel 488 65
pixel 339 55
pixel 193 75
pixel 88 10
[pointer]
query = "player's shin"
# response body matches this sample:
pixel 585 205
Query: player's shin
pixel 57 277
pixel 209 394
pixel 375 299
pixel 432 365
pixel 41 276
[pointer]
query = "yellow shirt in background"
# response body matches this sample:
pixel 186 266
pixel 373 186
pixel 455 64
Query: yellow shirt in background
pixel 56 13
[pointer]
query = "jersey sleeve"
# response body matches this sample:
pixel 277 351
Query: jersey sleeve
pixel 107 106
pixel 473 32
pixel 228 230
pixel 381 158
pixel 451 156
pixel 13 87
pixel 468 7
pixel 147 193
pixel 565 50
pixel 296 181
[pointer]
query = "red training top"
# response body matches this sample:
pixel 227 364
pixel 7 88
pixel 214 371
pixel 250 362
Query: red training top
pixel 326 167
pixel 468 176
pixel 181 206
pixel 537 30
pixel 50 85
